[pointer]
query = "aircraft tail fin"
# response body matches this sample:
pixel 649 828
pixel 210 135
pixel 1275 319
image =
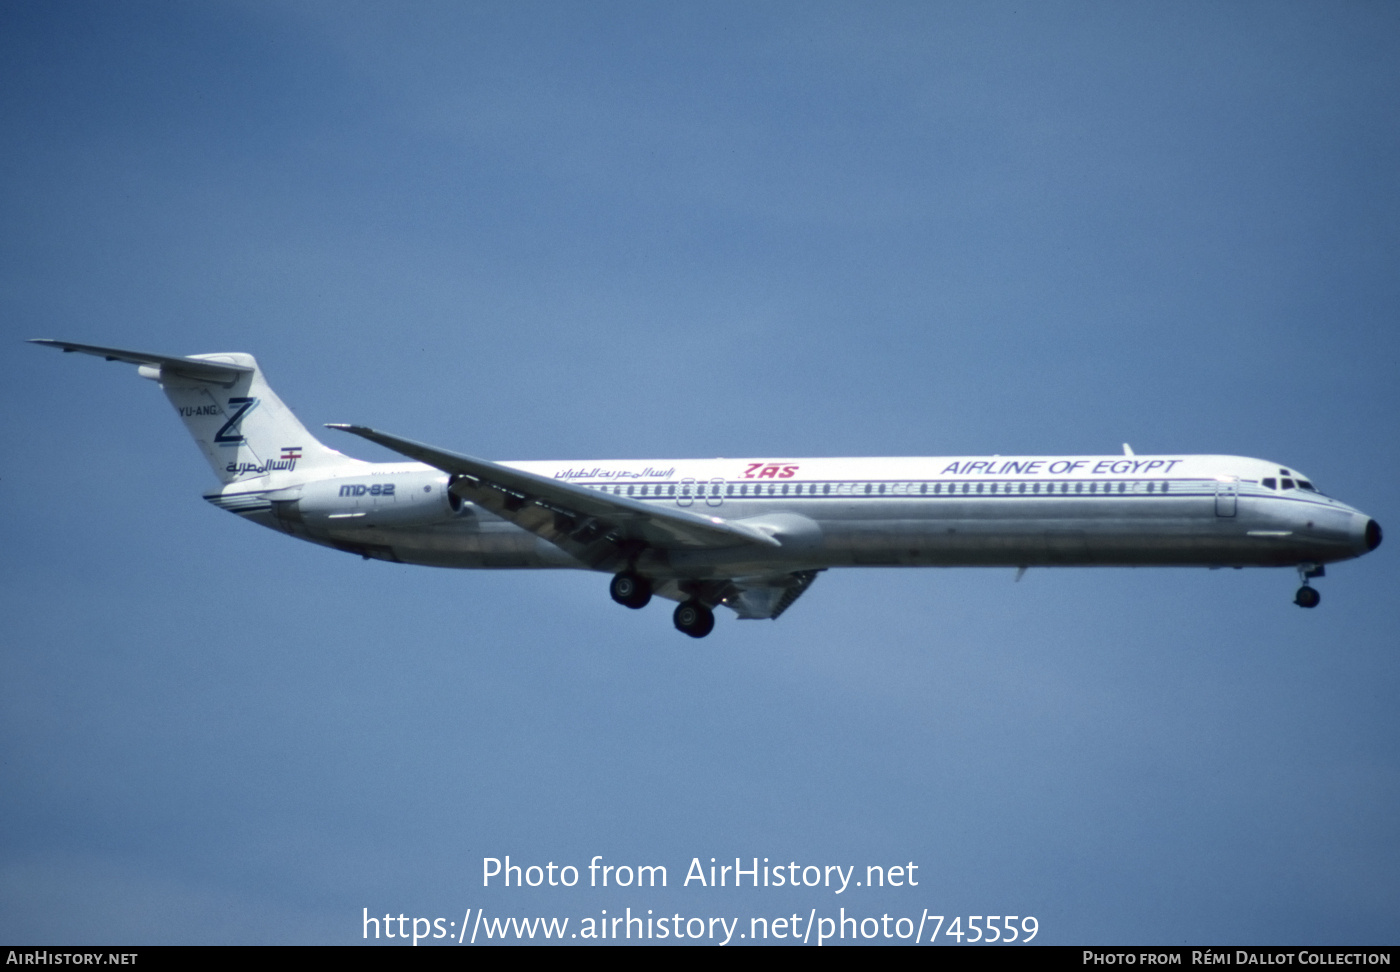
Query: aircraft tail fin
pixel 242 427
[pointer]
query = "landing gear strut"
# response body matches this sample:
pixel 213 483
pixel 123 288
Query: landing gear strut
pixel 1306 596
pixel 630 590
pixel 694 619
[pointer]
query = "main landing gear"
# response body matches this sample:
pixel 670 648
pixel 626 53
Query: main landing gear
pixel 630 590
pixel 694 619
pixel 1307 597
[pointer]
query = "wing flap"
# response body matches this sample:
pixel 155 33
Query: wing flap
pixel 766 597
pixel 754 597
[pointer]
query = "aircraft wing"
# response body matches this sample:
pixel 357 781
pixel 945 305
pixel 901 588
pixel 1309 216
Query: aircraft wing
pixel 597 528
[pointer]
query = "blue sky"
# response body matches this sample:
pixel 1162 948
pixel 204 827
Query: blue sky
pixel 619 230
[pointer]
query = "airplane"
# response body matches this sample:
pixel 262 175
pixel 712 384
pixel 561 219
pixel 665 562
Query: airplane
pixel 749 534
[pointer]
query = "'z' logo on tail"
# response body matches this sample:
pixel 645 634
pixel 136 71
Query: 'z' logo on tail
pixel 228 435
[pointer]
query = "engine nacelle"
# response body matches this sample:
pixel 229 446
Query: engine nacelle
pixel 387 499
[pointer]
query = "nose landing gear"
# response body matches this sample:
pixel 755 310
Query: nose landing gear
pixel 1307 597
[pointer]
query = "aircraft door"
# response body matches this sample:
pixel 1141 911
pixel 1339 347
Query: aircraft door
pixel 715 495
pixel 1225 496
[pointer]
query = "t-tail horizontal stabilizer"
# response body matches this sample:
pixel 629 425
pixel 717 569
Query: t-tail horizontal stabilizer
pixel 242 427
pixel 220 372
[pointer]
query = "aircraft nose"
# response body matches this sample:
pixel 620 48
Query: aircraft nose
pixel 1373 534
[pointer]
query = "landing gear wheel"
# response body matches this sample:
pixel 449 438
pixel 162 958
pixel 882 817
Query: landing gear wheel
pixel 630 590
pixel 694 619
pixel 1307 597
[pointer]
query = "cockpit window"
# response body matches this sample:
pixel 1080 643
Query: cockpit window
pixel 1271 483
pixel 1304 484
pixel 1288 484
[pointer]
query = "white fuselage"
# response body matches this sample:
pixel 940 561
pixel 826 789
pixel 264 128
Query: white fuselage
pixel 1019 511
